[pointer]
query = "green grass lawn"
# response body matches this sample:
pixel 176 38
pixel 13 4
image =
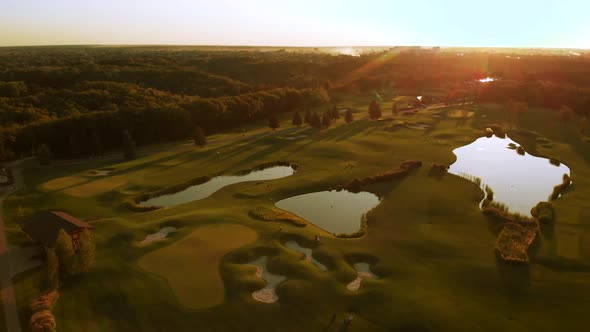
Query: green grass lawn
pixel 430 244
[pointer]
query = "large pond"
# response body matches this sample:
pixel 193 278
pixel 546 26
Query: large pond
pixel 337 212
pixel 206 189
pixel 518 181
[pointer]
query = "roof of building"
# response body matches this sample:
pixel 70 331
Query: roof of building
pixel 44 226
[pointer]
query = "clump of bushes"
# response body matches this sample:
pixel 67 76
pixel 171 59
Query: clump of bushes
pixel 500 210
pixel 520 150
pixel 498 130
pixel 42 320
pixel 273 214
pixel 544 212
pixel 406 167
pixel 554 162
pixel 514 241
pixel 512 146
pixel 437 169
pixel 489 193
pixel 560 188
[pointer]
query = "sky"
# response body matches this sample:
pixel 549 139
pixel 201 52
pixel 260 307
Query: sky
pixel 497 23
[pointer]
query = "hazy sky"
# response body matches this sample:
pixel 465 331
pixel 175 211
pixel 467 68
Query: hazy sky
pixel 511 23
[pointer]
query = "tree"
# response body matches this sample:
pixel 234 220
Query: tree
pixel 64 251
pixel 316 121
pixel 273 122
pixel 44 155
pixel 348 116
pixel 86 252
pixel 297 121
pixel 96 144
pixel 199 137
pixel 335 114
pixel 565 114
pixel 326 119
pixel 394 110
pixel 52 268
pixel 374 110
pixel 307 118
pixel 128 146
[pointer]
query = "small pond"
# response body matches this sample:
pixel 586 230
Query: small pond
pixel 518 181
pixel 206 189
pixel 266 294
pixel 338 212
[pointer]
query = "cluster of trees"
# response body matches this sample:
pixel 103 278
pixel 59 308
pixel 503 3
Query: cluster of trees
pixel 79 100
pixel 92 133
pixel 64 262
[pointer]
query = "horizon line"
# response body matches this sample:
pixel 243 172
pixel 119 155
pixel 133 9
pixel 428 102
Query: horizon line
pixel 296 46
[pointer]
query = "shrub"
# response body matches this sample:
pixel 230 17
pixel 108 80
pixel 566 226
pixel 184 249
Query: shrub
pixel 514 241
pixel 42 321
pixel 520 150
pixel 297 121
pixel 199 137
pixel 65 254
pixel 554 162
pixel 560 188
pixel 437 169
pixel 355 185
pixel 544 212
pixel 498 130
pixel 44 301
pixel 348 116
pixel 44 155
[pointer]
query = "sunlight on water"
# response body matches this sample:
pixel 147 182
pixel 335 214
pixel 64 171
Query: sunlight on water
pixel 519 181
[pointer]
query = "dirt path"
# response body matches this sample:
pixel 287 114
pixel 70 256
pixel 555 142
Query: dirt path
pixel 7 290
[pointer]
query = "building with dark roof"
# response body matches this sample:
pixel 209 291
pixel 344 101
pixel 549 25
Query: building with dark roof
pixel 44 227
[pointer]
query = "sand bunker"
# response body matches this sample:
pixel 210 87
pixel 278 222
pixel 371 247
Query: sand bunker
pixel 307 252
pixel 158 236
pixel 266 294
pixel 96 187
pixel 363 271
pixel 294 137
pixel 419 126
pixel 102 172
pixel 191 265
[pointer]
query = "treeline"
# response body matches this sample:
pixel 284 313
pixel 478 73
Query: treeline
pixel 538 94
pixel 92 133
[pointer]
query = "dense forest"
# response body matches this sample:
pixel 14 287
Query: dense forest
pixel 79 100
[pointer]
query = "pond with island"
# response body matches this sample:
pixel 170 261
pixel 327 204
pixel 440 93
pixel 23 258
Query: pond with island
pixel 519 180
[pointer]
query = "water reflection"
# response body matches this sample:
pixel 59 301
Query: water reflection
pixel 519 181
pixel 206 189
pixel 337 212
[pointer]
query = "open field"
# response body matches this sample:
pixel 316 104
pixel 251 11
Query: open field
pixel 199 254
pixel 428 241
